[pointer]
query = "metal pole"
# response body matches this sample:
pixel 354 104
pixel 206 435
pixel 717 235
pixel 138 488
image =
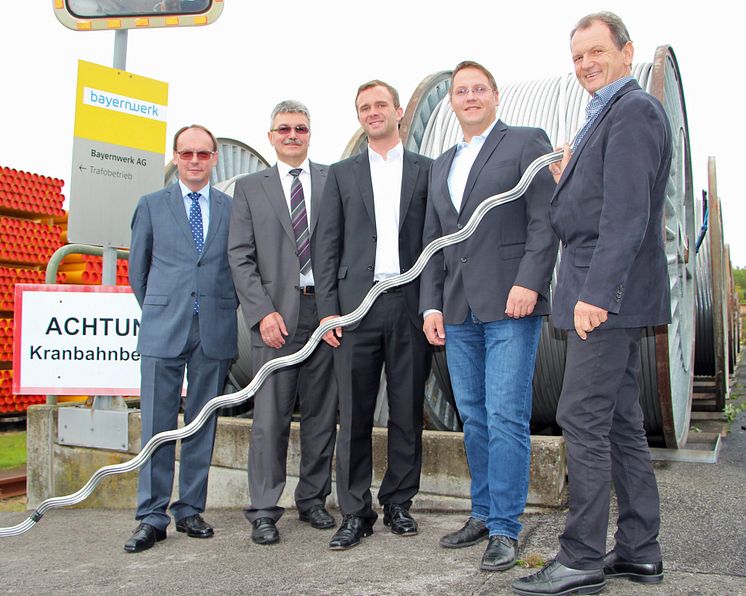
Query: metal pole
pixel 120 49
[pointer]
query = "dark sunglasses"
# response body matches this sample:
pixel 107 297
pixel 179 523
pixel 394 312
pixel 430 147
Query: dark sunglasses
pixel 201 155
pixel 301 129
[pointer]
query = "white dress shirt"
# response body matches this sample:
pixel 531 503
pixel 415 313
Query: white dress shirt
pixel 385 175
pixel 286 179
pixel 204 205
pixel 466 155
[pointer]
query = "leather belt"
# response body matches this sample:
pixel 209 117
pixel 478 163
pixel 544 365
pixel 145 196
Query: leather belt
pixel 307 290
pixel 394 290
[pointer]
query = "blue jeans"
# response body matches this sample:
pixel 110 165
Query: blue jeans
pixel 492 367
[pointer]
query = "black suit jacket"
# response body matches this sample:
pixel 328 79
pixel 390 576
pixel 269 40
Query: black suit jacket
pixel 607 210
pixel 514 243
pixel 343 248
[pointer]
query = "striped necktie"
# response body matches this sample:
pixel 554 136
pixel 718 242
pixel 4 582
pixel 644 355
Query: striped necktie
pixel 299 219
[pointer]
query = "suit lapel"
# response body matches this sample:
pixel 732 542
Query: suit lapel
pixel 361 167
pixel 318 179
pixel 446 169
pixel 631 86
pixel 217 209
pixel 272 187
pixel 410 170
pixel 176 206
pixel 490 144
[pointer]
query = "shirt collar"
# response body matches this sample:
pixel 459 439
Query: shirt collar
pixel 606 93
pixel 283 169
pixel 205 191
pixel 481 137
pixel 394 153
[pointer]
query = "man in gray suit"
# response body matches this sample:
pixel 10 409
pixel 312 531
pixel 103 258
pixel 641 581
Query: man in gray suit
pixel 178 270
pixel 273 219
pixel 484 299
pixel 370 229
pixel 607 210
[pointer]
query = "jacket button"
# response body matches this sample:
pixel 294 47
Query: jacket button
pixel 460 226
pixel 370 267
pixel 193 294
pixel 464 259
pixel 374 238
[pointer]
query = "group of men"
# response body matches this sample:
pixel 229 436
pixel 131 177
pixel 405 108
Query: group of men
pixel 303 243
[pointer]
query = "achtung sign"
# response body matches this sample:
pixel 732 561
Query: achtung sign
pixel 76 340
pixel 118 151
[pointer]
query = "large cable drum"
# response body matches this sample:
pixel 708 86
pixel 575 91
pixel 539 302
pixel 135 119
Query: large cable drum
pixel 557 105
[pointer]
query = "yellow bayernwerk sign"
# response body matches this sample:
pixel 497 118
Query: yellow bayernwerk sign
pixel 118 151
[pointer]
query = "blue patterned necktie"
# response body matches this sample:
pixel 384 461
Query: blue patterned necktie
pixel 195 222
pixel 299 219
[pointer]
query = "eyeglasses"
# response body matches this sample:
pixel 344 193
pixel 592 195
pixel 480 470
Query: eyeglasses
pixel 301 129
pixel 477 90
pixel 201 155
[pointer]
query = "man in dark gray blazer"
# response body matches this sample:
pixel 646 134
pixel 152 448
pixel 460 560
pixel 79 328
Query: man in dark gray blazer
pixel 274 216
pixel 178 270
pixel 484 299
pixel 607 210
pixel 370 229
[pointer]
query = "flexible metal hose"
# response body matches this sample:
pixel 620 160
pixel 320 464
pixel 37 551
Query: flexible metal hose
pixel 236 398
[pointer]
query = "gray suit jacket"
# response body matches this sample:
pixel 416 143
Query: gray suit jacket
pixel 514 243
pixel 166 274
pixel 262 248
pixel 344 246
pixel 607 210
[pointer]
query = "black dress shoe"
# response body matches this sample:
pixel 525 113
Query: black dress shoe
pixel 400 520
pixel 643 573
pixel 265 531
pixel 353 528
pixel 195 526
pixel 500 554
pixel 557 580
pixel 474 531
pixel 143 538
pixel 318 517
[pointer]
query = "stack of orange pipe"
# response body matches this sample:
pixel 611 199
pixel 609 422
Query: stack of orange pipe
pixel 10 276
pixel 9 403
pixel 27 242
pixel 87 269
pixel 6 340
pixel 30 194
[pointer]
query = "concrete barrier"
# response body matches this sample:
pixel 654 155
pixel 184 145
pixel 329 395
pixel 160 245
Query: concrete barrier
pixel 55 469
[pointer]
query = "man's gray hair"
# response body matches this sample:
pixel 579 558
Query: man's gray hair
pixel 289 106
pixel 618 29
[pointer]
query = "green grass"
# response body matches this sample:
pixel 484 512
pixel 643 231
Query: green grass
pixel 12 450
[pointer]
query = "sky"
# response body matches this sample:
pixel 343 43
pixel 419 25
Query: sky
pixel 229 75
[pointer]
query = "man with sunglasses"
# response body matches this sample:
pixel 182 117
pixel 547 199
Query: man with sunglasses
pixel 370 229
pixel 179 273
pixel 273 219
pixel 483 299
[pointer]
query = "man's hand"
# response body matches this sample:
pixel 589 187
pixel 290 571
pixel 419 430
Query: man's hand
pixel 587 318
pixel 521 302
pixel 558 167
pixel 272 328
pixel 434 330
pixel 333 336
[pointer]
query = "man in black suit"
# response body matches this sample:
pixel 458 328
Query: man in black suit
pixel 484 299
pixel 274 216
pixel 607 210
pixel 370 229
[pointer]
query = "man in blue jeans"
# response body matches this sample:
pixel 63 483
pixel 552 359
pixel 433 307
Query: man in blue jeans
pixel 483 299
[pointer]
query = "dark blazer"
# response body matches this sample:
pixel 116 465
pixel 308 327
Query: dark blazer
pixel 262 248
pixel 607 210
pixel 343 248
pixel 166 274
pixel 513 245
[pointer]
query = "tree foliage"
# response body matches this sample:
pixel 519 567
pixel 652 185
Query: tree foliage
pixel 739 274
